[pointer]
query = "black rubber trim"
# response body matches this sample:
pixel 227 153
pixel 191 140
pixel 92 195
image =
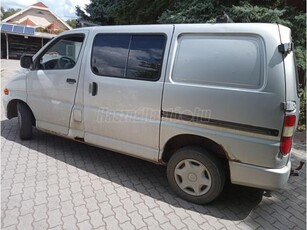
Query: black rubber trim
pixel 224 124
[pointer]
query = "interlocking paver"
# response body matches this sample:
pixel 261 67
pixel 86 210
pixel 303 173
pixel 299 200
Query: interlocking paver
pixel 111 222
pixel 143 210
pixel 88 191
pixel 53 190
pixel 41 225
pixel 70 222
pixel 41 198
pixel 78 199
pixel 159 215
pixel 127 225
pixel 40 212
pixel 176 221
pixel 65 194
pixel 14 202
pixel 85 225
pixel 91 204
pixel 167 226
pixel 128 205
pixel 54 183
pixel 10 217
pixel 136 219
pixel 81 213
pixel 96 219
pixel 67 208
pixel 25 222
pixel 54 218
pixel 297 222
pixel 27 207
pixel 121 214
pixel 208 226
pixel 53 202
pixel 28 193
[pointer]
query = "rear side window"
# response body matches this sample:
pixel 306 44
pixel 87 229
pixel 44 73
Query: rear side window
pixel 109 55
pixel 128 56
pixel 229 61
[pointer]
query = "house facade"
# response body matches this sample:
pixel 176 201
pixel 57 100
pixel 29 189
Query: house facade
pixel 28 30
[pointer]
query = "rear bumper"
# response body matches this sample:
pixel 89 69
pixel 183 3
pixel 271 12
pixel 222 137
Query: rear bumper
pixel 258 177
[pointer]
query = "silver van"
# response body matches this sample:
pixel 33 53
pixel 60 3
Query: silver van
pixel 212 102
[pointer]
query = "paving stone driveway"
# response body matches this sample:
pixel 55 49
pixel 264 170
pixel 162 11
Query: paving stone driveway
pixel 55 183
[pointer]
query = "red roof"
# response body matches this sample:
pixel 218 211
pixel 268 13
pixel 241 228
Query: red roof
pixel 53 26
pixel 40 4
pixel 27 22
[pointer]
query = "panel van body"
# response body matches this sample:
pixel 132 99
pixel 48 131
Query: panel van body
pixel 211 101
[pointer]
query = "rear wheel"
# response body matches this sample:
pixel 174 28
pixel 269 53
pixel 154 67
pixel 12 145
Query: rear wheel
pixel 195 175
pixel 24 121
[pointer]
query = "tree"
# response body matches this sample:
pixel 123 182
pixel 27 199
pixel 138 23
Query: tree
pixel 124 11
pixel 94 12
pixel 195 11
pixel 72 23
pixel 8 12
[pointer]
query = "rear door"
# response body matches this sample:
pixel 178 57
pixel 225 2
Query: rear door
pixel 291 77
pixel 123 88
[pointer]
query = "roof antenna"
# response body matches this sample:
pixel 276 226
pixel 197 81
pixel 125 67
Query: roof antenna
pixel 223 18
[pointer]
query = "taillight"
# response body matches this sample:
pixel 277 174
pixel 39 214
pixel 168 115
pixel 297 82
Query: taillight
pixel 287 134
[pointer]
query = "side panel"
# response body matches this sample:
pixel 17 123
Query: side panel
pixel 124 114
pixel 242 115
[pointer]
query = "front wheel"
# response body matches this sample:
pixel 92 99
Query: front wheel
pixel 195 175
pixel 24 121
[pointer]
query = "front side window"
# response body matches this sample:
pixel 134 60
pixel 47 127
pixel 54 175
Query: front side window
pixel 63 54
pixel 128 56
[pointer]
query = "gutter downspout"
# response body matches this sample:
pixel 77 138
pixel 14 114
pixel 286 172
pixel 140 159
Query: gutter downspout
pixel 7 46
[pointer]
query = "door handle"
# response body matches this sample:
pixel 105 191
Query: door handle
pixel 93 88
pixel 70 81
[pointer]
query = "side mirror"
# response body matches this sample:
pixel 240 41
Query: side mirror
pixel 26 61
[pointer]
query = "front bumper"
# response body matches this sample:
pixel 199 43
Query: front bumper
pixel 259 177
pixel 5 101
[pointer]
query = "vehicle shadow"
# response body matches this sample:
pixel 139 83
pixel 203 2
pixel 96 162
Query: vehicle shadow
pixel 235 203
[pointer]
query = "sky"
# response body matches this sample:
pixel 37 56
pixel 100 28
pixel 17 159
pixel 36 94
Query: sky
pixel 65 9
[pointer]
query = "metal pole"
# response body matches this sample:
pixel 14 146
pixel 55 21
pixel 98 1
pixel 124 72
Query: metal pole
pixel 42 42
pixel 7 46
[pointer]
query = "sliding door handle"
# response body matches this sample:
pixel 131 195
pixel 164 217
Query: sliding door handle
pixel 93 88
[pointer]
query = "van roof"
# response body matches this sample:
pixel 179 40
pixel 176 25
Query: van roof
pixel 206 26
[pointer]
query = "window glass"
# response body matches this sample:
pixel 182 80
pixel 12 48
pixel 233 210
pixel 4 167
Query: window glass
pixel 231 61
pixel 145 57
pixel 128 56
pixel 63 54
pixel 109 55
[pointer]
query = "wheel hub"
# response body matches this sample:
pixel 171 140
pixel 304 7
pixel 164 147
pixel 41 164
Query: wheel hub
pixel 192 177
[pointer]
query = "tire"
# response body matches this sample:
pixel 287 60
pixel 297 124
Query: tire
pixel 24 121
pixel 195 175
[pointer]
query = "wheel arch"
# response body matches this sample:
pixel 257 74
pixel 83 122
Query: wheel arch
pixel 12 109
pixel 182 140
